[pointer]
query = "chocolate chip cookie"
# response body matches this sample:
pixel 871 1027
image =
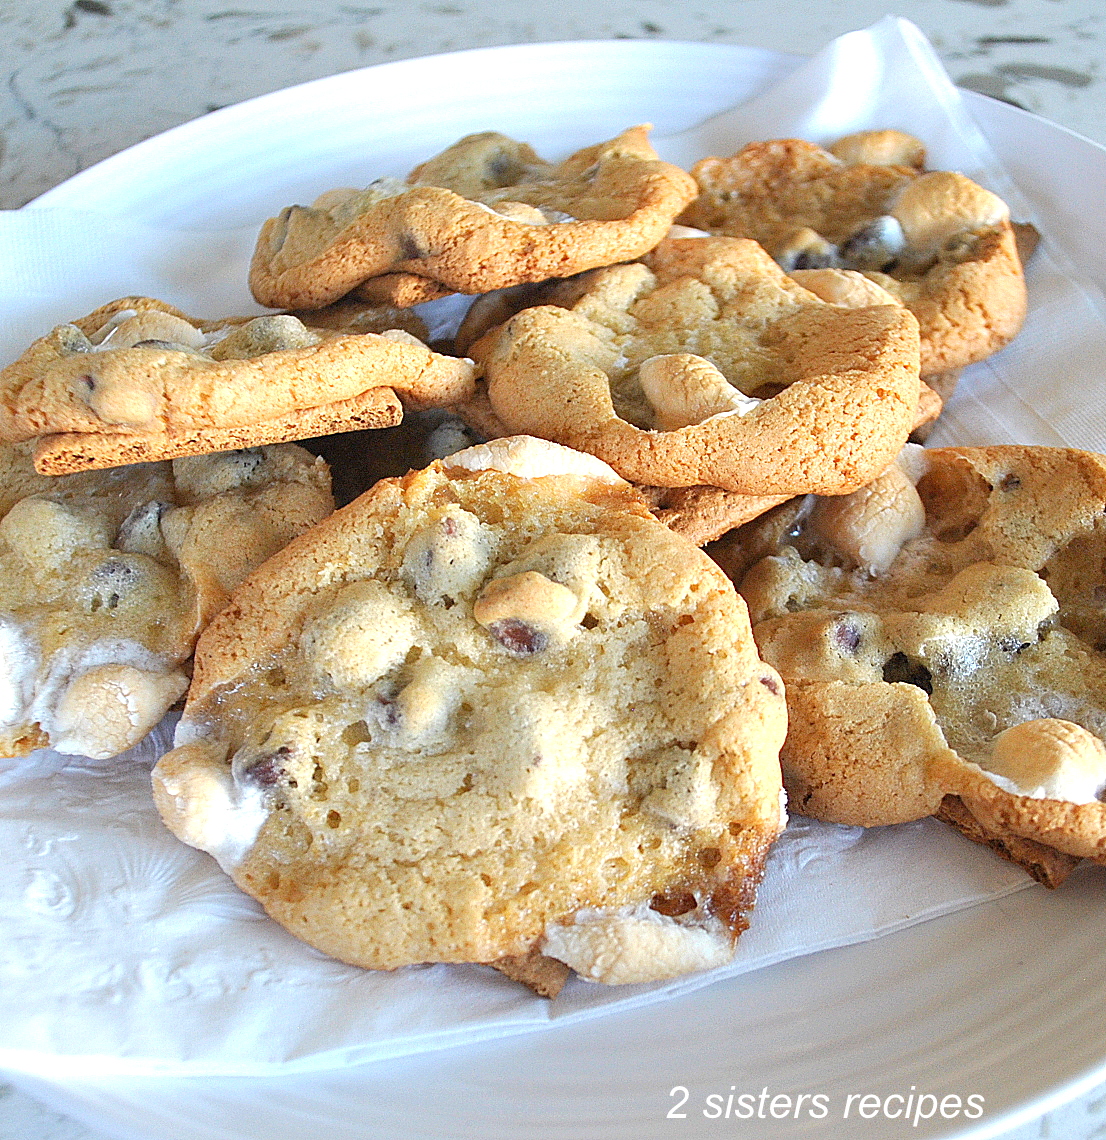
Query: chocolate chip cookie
pixel 486 213
pixel 492 710
pixel 943 640
pixel 107 578
pixel 137 380
pixel 864 209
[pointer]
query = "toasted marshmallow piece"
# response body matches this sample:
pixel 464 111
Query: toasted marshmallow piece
pixel 544 609
pixel 1049 759
pixel 449 558
pixel 636 945
pixel 937 206
pixel 363 633
pixel 532 458
pixel 18 662
pixel 847 287
pixel 110 708
pixel 880 148
pixel 42 531
pixel 196 794
pixel 870 526
pixel 152 325
pixel 686 389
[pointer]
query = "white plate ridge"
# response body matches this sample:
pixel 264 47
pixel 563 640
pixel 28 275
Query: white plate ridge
pixel 992 1001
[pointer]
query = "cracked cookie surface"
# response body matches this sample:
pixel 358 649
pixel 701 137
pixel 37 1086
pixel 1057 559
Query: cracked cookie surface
pixel 485 214
pixel 938 242
pixel 491 709
pixel 106 579
pixel 705 364
pixel 941 633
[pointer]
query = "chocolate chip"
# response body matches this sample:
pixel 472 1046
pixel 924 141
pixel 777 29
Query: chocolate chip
pixel 386 712
pixel 899 667
pixel 815 259
pixel 674 903
pixel 411 248
pixel 874 246
pixel 518 637
pixel 771 684
pixel 1013 644
pixel 846 637
pixel 502 170
pixel 267 771
pixel 808 250
pixel 111 581
pixel 141 525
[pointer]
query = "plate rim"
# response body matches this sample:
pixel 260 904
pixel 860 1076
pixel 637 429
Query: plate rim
pixel 60 195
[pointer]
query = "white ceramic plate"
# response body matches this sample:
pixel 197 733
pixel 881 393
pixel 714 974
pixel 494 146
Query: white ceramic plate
pixel 1002 1002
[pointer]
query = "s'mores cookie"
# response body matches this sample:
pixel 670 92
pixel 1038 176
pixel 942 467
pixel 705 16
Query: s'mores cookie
pixel 486 213
pixel 137 380
pixel 864 215
pixel 705 364
pixel 942 637
pixel 107 577
pixel 701 513
pixel 492 712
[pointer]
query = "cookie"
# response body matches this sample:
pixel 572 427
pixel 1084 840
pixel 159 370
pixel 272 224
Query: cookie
pixel 941 633
pixel 936 240
pixel 703 514
pixel 490 710
pixel 137 380
pixel 484 214
pixel 62 453
pixel 402 290
pixel 1045 864
pixel 705 364
pixel 107 578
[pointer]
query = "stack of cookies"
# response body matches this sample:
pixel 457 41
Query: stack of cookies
pixel 503 708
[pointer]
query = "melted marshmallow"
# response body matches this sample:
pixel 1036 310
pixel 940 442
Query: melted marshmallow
pixel 531 458
pixel 213 812
pixel 1073 788
pixel 636 944
pixel 18 665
